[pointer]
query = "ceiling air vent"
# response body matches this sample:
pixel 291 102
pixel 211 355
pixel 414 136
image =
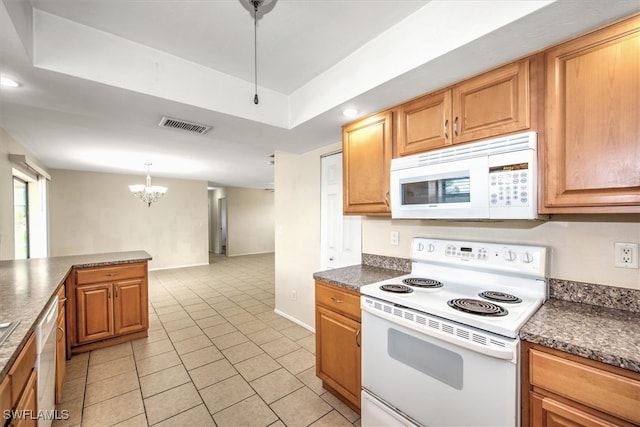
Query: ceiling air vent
pixel 168 122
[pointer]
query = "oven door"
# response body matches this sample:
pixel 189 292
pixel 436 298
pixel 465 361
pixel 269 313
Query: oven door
pixel 433 381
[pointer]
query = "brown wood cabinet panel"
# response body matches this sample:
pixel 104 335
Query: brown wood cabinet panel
pixel 366 157
pixel 27 405
pixel 338 353
pixel 94 312
pixel 424 124
pixel 586 385
pixel 337 299
pixel 592 151
pixel 561 389
pixel 109 312
pixel 22 367
pixel 5 395
pixel 110 274
pixel 548 412
pixel 491 104
pixel 131 309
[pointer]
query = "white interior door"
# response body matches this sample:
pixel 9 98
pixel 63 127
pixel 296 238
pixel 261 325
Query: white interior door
pixel 341 236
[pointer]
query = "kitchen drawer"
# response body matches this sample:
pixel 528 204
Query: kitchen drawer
pixel 110 274
pixel 21 368
pixel 599 389
pixel 338 299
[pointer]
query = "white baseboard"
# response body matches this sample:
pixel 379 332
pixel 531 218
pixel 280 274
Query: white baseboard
pixel 294 320
pixel 178 266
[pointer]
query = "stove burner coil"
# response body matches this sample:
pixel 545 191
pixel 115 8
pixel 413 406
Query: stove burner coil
pixel 475 306
pixel 500 297
pixel 396 288
pixel 419 282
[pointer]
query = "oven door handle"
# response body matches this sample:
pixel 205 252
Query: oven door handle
pixel 505 354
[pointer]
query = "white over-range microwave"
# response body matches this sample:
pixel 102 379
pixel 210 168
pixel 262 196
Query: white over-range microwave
pixel 494 179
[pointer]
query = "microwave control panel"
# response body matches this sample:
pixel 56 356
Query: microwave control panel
pixel 509 185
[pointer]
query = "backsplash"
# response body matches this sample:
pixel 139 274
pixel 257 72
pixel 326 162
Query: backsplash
pixel 567 290
pixel 392 263
pixel 600 295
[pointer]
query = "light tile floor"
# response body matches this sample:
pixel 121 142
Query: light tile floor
pixel 216 355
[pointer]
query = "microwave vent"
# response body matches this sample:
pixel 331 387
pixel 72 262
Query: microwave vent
pixel 200 129
pixel 507 144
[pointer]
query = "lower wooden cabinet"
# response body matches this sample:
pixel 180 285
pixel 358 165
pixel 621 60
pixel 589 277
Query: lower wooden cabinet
pixel 560 389
pixel 19 389
pixel 107 305
pixel 338 342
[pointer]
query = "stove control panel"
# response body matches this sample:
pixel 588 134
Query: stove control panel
pixel 505 257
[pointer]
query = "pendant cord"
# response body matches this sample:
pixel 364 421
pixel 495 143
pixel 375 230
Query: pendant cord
pixel 255 51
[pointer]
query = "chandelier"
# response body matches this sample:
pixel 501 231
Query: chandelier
pixel 146 192
pixel 256 5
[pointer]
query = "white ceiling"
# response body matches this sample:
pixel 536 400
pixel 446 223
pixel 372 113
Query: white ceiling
pixel 97 76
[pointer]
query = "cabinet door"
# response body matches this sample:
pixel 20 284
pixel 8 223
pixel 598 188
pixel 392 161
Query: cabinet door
pixel 592 148
pixel 492 104
pixel 27 405
pixel 130 306
pixel 61 347
pixel 94 317
pixel 367 146
pixel 338 353
pixel 548 412
pixel 424 124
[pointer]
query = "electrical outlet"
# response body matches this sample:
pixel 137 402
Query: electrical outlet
pixel 625 255
pixel 395 238
pixel 294 295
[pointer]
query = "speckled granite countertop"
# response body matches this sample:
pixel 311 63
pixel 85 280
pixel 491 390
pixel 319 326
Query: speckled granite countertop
pixel 598 322
pixel 27 286
pixel 357 275
pixel 604 334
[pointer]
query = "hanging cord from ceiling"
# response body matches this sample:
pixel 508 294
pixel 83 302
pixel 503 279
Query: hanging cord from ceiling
pixel 255 49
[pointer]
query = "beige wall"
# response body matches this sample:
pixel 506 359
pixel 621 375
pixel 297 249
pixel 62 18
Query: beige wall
pixel 8 146
pixel 250 221
pixel 581 246
pixel 95 212
pixel 297 257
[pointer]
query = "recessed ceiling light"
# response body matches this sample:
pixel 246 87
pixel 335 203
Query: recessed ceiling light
pixel 7 82
pixel 350 112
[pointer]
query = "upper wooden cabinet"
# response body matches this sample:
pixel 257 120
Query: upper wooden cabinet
pixel 424 124
pixel 498 102
pixel 592 149
pixel 366 157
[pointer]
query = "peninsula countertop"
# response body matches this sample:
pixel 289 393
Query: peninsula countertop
pixel 27 286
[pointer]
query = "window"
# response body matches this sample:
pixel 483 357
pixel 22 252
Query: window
pixel 21 218
pixel 30 215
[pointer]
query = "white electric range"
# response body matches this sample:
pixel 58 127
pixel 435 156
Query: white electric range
pixel 449 330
